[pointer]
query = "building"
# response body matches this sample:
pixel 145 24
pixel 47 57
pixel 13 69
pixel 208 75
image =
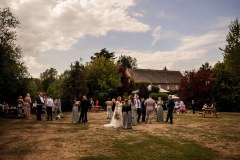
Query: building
pixel 168 80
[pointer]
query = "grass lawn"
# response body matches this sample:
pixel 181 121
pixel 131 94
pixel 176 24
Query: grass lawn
pixel 191 137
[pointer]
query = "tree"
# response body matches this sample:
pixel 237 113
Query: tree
pixel 104 53
pixel 221 89
pixel 126 82
pixel 127 61
pixel 13 72
pixel 197 85
pixel 143 89
pixel 231 67
pixel 103 77
pixel 76 84
pixel 48 77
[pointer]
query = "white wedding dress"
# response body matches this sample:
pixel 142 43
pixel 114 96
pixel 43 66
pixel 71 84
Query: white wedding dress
pixel 116 123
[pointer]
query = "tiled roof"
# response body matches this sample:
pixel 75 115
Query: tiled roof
pixel 155 76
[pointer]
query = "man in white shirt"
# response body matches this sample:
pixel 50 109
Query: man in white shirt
pixel 137 104
pixel 49 107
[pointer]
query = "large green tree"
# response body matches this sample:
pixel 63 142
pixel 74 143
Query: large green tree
pixel 104 53
pixel 127 61
pixel 75 84
pixel 103 77
pixel 48 77
pixel 229 83
pixel 13 72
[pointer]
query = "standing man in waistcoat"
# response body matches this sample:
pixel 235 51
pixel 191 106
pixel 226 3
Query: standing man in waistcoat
pixel 170 107
pixel 40 103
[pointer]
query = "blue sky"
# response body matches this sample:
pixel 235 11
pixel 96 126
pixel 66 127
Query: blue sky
pixel 179 34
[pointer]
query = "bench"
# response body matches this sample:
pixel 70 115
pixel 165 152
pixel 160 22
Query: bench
pixel 96 109
pixel 209 112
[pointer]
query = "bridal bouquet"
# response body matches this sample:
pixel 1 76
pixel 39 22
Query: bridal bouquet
pixel 117 116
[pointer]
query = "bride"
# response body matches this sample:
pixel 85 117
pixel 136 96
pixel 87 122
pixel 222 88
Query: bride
pixel 116 120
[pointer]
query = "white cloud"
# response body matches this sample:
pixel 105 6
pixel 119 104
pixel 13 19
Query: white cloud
pixel 196 42
pixel 156 35
pixel 58 24
pixel 220 22
pixel 158 60
pixel 164 15
pixel 31 63
pixel 135 14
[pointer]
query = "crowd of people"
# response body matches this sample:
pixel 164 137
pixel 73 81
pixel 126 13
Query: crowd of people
pixel 131 111
pixel 42 105
pixel 122 113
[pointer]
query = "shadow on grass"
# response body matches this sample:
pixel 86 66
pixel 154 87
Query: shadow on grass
pixel 153 147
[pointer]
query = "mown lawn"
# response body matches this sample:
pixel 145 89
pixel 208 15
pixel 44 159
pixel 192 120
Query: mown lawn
pixel 190 137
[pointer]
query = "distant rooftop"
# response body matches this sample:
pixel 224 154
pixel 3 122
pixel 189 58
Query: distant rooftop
pixel 155 76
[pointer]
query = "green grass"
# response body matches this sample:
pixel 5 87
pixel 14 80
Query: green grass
pixel 192 137
pixel 154 147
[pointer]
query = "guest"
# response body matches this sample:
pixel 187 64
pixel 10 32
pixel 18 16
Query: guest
pixel 113 104
pixel 96 104
pixel 84 108
pixel 35 107
pixel 109 108
pixel 182 107
pixel 143 109
pixel 160 110
pixel 170 107
pixel 194 106
pixel 137 105
pixel 134 111
pixel 20 105
pixel 92 104
pixel 75 111
pixel 5 108
pixel 177 106
pixel 55 108
pixel 49 108
pixel 27 106
pixel 150 105
pixel 127 114
pixel 40 103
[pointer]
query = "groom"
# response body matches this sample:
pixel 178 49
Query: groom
pixel 85 104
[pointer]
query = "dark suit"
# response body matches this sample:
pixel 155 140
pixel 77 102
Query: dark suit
pixel 170 107
pixel 143 111
pixel 85 104
pixel 39 108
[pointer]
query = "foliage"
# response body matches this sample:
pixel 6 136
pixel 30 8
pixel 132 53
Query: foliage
pixel 13 72
pixel 76 84
pixel 155 89
pixel 197 85
pixel 103 77
pixel 34 86
pixel 127 61
pixel 227 88
pixel 221 89
pixel 155 96
pixel 48 77
pixel 104 53
pixel 143 89
pixel 127 84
